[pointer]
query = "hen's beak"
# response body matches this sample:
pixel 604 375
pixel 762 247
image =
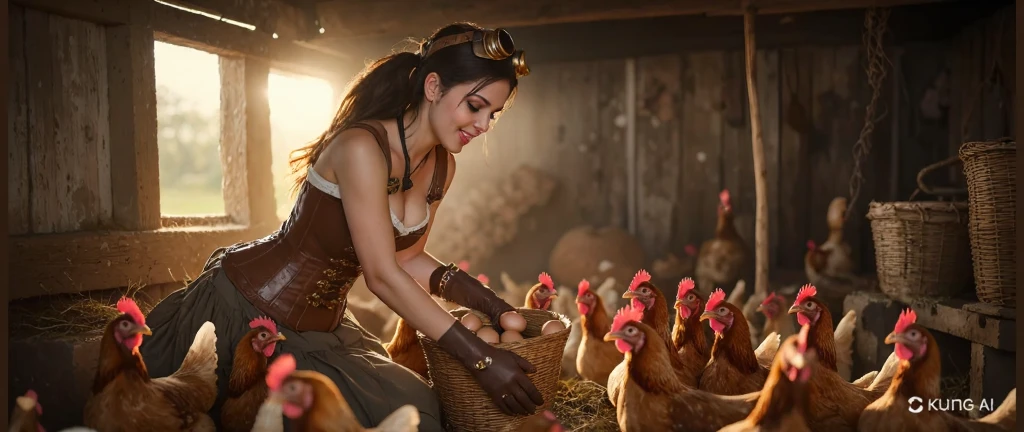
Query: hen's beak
pixel 611 336
pixel 628 294
pixel 145 331
pixel 794 309
pixel 708 315
pixel 895 338
pixel 678 304
pixel 280 337
pixel 760 308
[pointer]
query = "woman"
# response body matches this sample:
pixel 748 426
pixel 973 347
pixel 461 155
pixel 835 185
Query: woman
pixel 354 216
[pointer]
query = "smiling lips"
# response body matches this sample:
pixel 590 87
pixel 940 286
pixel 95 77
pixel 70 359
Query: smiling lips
pixel 465 137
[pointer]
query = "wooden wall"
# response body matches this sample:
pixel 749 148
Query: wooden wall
pixel 690 130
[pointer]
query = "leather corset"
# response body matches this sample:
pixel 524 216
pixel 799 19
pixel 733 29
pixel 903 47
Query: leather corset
pixel 300 275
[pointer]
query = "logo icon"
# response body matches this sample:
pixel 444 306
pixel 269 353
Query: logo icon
pixel 915 404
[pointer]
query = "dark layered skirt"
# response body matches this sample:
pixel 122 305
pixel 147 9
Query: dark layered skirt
pixel 350 356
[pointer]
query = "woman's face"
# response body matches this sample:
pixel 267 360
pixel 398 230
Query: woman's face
pixel 458 116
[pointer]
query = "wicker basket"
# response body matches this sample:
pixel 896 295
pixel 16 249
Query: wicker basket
pixel 922 247
pixel 466 406
pixel 991 171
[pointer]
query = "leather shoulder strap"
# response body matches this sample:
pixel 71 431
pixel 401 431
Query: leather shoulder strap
pixel 381 135
pixel 440 175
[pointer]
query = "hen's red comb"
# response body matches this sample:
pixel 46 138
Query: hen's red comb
pixel 463 265
pixel 283 366
pixel 690 250
pixel 724 197
pixel 264 322
pixel 545 279
pixel 801 340
pixel 771 296
pixel 807 291
pixel 716 298
pixel 625 315
pixel 31 394
pixel 907 317
pixel 583 287
pixel 483 278
pixel 685 286
pixel 128 306
pixel 811 245
pixel 640 277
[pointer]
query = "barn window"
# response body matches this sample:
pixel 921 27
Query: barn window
pixel 301 108
pixel 188 131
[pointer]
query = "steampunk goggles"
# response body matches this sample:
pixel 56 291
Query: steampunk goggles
pixel 489 44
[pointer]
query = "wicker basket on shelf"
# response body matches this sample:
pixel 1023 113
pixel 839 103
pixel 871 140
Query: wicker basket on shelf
pixel 466 406
pixel 991 171
pixel 922 247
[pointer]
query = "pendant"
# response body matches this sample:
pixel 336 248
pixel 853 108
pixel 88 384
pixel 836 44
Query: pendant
pixel 393 185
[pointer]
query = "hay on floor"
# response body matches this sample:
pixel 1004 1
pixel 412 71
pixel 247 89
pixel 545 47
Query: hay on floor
pixel 69 315
pixel 582 405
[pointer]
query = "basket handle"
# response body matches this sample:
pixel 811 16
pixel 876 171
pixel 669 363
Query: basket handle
pixel 949 191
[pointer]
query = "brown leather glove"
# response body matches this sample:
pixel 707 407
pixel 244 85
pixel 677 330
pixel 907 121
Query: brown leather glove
pixel 466 290
pixel 500 373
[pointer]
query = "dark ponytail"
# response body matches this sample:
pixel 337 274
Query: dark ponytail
pixel 394 84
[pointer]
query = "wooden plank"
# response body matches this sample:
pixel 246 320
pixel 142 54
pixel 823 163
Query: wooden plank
pixel 233 154
pixel 701 137
pixel 737 162
pixel 96 260
pixel 196 31
pixel 81 142
pixel 258 153
pixel 39 72
pixel 275 16
pixel 108 12
pixel 838 116
pixel 996 97
pixel 794 168
pixel 658 151
pixel 133 142
pixel 768 99
pixel 611 171
pixel 577 154
pixel 929 116
pixel 361 19
pixel 17 128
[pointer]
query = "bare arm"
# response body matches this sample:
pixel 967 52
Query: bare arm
pixel 355 160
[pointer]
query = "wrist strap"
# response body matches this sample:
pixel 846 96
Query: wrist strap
pixel 440 277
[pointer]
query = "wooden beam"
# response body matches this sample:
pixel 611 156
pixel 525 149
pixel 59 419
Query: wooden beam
pixel 133 130
pixel 289 21
pixel 348 19
pixel 180 27
pixel 109 12
pixel 245 141
pixel 674 34
pixel 88 261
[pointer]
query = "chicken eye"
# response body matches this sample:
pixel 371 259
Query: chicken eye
pixel 691 297
pixel 810 305
pixel 631 331
pixel 913 334
pixel 263 335
pixel 125 324
pixel 723 310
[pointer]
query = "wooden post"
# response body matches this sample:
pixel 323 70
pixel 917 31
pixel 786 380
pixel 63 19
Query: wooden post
pixel 760 174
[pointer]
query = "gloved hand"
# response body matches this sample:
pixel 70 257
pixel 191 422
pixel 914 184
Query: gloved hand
pixel 500 373
pixel 466 290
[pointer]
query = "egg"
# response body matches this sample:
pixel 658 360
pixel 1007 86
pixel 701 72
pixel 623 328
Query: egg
pixel 513 321
pixel 488 335
pixel 472 322
pixel 510 336
pixel 553 326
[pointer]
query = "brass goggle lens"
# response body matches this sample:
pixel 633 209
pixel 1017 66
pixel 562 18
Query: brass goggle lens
pixel 494 44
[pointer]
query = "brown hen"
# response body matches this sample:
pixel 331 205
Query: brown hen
pixel 735 367
pixel 723 259
pixel 247 386
pixel 596 358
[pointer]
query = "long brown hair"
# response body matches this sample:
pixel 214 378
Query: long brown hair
pixel 394 85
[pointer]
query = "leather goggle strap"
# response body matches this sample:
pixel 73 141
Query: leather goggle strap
pixel 448 41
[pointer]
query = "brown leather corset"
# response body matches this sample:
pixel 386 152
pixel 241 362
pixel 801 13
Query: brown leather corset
pixel 301 274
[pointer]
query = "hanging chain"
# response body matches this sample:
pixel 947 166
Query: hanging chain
pixel 875 23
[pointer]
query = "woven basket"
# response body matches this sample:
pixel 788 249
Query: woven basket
pixel 991 171
pixel 921 248
pixel 466 406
